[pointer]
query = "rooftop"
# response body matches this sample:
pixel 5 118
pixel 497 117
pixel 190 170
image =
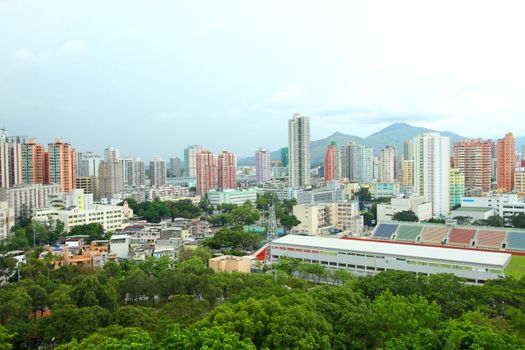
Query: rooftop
pixel 404 250
pixel 473 209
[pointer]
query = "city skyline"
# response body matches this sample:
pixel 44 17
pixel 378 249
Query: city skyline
pixel 220 70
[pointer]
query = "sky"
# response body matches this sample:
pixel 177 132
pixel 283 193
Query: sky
pixel 150 77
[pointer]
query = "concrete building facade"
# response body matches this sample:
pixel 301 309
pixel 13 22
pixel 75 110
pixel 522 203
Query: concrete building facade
pixel 226 170
pixel 33 162
pixel 88 164
pixel 457 187
pixel 62 162
pixel 363 257
pixel 299 151
pixel 7 220
pixel 387 164
pixel 321 218
pixel 417 204
pixel 432 170
pixel 190 160
pixel 110 178
pixel 176 167
pixel 332 163
pixel 206 172
pixel 506 163
pixel 263 165
pixel 28 197
pixel 157 171
pixel 474 159
pixel 237 197
pixel 10 164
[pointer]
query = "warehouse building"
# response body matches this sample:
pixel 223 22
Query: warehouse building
pixel 364 257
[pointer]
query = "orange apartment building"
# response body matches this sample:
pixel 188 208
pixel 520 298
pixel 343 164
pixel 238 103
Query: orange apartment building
pixel 506 163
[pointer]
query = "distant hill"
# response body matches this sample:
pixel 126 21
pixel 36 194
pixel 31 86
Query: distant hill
pixel 393 135
pixel 519 142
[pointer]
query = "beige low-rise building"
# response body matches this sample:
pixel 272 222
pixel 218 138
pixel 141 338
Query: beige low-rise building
pixel 317 219
pixel 519 181
pixel 230 263
pixel 7 219
pixel 417 204
pixel 110 217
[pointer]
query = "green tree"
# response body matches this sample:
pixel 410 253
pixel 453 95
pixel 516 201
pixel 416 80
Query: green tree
pixel 209 338
pixel 39 296
pixel 94 231
pixel 244 215
pixel 203 253
pixel 89 291
pixel 70 322
pixel 136 316
pixel 113 338
pixel 495 220
pixel 184 309
pixel 289 221
pixel 405 215
pixel 229 239
pixel 518 220
pixel 15 304
pixel 135 285
pixel 398 282
pixel 5 339
pixel 463 220
pixel 7 267
pixel 368 218
pixel 363 194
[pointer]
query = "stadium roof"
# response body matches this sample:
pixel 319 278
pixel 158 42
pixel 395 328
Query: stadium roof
pixel 402 250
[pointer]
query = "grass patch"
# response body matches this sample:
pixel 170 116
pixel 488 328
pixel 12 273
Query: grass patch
pixel 516 267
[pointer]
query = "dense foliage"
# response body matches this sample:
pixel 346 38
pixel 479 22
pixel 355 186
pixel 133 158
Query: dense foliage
pixel 405 215
pixel 155 211
pixel 158 304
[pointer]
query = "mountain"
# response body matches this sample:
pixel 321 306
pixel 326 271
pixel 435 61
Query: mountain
pixel 393 135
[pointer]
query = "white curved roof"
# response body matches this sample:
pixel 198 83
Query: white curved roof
pixel 465 256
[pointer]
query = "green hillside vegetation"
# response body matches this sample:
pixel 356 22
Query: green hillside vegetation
pixel 158 304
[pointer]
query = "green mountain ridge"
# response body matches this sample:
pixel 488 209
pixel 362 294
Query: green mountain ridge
pixel 393 135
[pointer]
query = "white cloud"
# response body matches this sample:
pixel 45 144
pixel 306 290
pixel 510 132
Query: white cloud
pixel 31 56
pixel 73 47
pixel 293 94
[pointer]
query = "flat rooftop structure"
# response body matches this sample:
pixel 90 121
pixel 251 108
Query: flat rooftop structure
pixel 473 209
pixel 477 257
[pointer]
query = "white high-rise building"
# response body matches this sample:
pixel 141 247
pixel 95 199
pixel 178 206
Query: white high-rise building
pixel 10 164
pixel 360 161
pixel 126 165
pixel 136 172
pixel 432 169
pixel 175 167
pixel 263 165
pixel 88 164
pixel 190 160
pixel 110 178
pixel 299 151
pixel 111 154
pixel 387 164
pixel 157 172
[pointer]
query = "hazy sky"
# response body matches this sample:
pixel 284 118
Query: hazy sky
pixel 150 77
